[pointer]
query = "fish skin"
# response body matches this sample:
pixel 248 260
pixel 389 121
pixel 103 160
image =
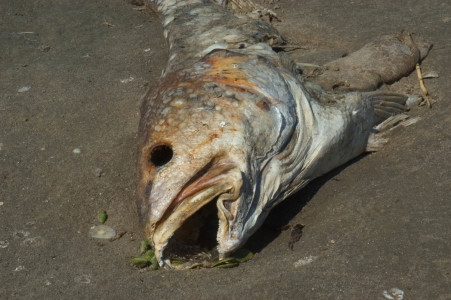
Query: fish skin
pixel 242 127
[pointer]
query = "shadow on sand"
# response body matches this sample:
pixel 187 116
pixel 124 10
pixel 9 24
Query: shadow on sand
pixel 282 214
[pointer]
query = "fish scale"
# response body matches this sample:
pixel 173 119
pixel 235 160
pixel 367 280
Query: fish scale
pixel 193 28
pixel 232 121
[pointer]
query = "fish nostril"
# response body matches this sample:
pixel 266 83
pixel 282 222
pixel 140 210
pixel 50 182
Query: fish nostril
pixel 161 155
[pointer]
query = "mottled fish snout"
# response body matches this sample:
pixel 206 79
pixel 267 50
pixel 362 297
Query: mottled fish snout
pixel 198 214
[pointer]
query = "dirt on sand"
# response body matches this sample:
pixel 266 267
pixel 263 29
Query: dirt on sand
pixel 71 76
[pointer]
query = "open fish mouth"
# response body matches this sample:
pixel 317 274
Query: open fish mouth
pixel 191 227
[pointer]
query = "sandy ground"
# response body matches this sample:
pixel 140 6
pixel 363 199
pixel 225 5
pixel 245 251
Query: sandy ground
pixel 71 76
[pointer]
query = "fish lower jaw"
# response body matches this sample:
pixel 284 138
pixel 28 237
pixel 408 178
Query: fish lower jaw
pixel 200 239
pixel 159 249
pixel 195 254
pixel 225 251
pixel 227 246
pixel 187 233
pixel 194 228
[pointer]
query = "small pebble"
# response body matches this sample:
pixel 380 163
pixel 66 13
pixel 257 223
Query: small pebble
pixel 24 89
pixel 413 100
pixel 83 279
pixel 30 224
pixel 432 74
pixel 393 294
pixel 44 48
pixel 101 232
pixel 20 234
pixel 19 268
pixel 76 151
pixel 127 80
pixel 33 241
pixel 4 244
pixel 147 50
pixel 305 261
pixel 98 172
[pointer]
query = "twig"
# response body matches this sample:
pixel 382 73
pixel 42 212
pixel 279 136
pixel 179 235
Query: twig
pixel 118 236
pixel 289 48
pixel 300 64
pixel 423 88
pixel 108 24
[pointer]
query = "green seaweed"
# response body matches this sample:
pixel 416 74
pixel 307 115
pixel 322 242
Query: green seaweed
pixel 148 259
pixel 154 263
pixel 177 261
pixel 238 257
pixel 242 255
pixel 149 254
pixel 139 262
pixel 144 246
pixel 102 217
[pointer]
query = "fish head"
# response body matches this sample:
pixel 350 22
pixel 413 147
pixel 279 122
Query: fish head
pixel 199 173
pixel 193 154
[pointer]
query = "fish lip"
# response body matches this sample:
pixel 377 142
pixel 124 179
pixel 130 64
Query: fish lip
pixel 208 186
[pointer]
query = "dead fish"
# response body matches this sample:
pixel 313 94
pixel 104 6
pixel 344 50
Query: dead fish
pixel 231 129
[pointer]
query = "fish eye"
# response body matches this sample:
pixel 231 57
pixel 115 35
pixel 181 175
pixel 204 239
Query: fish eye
pixel 161 155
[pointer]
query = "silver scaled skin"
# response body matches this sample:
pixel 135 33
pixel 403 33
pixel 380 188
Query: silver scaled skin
pixel 229 121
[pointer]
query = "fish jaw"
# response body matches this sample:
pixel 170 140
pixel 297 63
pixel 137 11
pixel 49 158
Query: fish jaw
pixel 221 182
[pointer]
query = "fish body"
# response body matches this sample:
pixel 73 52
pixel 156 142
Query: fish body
pixel 231 123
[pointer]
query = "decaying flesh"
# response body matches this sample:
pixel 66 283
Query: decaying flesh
pixel 231 129
pixel 384 60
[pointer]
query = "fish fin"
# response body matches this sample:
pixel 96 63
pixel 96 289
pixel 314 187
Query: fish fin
pixel 389 110
pixel 291 65
pixel 376 142
pixel 386 104
pixel 377 139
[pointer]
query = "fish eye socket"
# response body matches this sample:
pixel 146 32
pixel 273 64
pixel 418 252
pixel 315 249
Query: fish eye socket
pixel 161 155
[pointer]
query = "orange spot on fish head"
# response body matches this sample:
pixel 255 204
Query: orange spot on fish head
pixel 226 69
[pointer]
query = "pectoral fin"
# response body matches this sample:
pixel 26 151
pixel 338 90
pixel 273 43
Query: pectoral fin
pixel 387 104
pixel 389 109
